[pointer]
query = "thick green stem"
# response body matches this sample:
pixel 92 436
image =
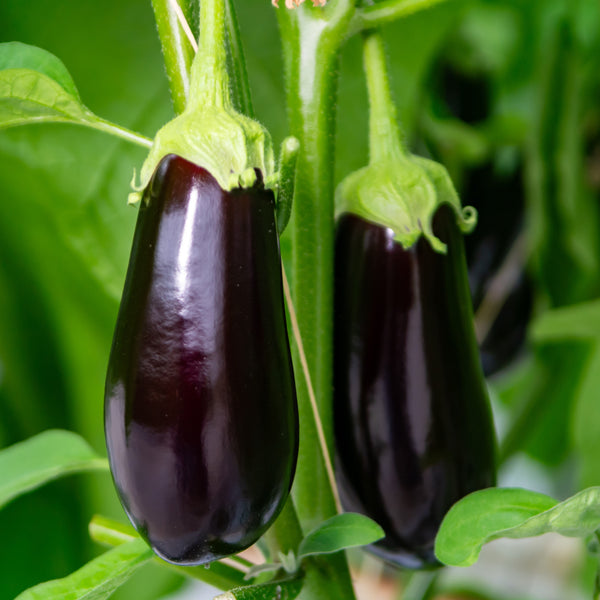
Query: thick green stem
pixel 210 81
pixel 384 134
pixel 311 41
pixel 177 50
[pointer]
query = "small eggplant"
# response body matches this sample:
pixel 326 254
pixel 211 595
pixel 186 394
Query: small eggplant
pixel 200 408
pixel 413 425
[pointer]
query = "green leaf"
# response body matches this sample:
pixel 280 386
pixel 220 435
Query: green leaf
pixel 98 579
pixel 342 531
pixel 35 87
pixel 47 456
pixel 15 55
pixel 285 589
pixel 512 513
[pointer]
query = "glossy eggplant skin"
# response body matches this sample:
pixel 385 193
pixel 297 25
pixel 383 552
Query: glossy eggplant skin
pixel 413 426
pixel 201 418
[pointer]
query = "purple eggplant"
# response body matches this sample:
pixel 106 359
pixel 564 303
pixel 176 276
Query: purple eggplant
pixel 200 408
pixel 413 426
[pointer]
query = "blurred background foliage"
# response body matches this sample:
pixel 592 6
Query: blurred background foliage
pixel 506 93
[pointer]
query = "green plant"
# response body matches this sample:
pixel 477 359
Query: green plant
pixel 65 232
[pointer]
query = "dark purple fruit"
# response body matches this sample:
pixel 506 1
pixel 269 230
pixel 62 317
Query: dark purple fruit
pixel 200 409
pixel 413 426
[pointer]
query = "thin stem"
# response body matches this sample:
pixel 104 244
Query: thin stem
pixel 177 52
pixel 311 395
pixel 286 533
pixel 386 12
pixel 118 131
pixel 210 81
pixel 420 586
pixel 384 135
pixel 189 34
pixel 237 63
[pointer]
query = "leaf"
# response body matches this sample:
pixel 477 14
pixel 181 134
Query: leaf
pixel 35 87
pixel 15 55
pixel 513 513
pixel 342 531
pixel 98 579
pixel 285 589
pixel 27 96
pixel 40 459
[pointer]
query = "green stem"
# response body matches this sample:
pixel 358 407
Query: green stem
pixel 177 50
pixel 311 40
pixel 210 80
pixel 118 131
pixel 316 36
pixel 237 64
pixel 285 534
pixel 420 585
pixel 386 12
pixel 384 134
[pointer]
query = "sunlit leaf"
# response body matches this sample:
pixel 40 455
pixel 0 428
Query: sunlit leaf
pixel 496 513
pixel 347 530
pixel 98 579
pixel 40 459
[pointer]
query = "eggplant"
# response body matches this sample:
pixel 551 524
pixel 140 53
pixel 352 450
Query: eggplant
pixel 413 425
pixel 201 419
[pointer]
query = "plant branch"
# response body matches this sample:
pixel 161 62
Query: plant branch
pixel 209 78
pixel 386 12
pixel 237 63
pixel 384 134
pixel 177 51
pixel 311 394
pixel 118 131
pixel 315 35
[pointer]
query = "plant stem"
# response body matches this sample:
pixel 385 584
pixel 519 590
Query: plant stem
pixel 419 586
pixel 209 78
pixel 315 35
pixel 177 51
pixel 236 65
pixel 386 12
pixel 311 40
pixel 118 131
pixel 384 134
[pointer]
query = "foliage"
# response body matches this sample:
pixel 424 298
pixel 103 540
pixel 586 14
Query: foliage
pixel 65 232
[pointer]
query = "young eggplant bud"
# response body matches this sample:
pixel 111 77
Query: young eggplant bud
pixel 200 406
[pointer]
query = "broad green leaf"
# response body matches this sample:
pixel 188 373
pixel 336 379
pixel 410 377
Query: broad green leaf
pixel 35 87
pixel 286 589
pixel 15 55
pixel 98 579
pixel 27 96
pixel 342 531
pixel 512 513
pixel 47 456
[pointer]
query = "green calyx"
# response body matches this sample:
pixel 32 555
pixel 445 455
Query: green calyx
pixel 210 132
pixel 230 146
pixel 403 194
